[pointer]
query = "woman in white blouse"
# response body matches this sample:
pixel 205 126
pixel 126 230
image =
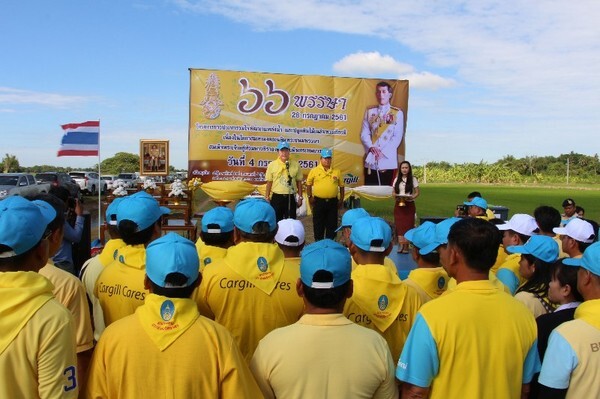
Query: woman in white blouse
pixel 406 188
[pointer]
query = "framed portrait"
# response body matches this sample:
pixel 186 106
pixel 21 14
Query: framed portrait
pixel 154 157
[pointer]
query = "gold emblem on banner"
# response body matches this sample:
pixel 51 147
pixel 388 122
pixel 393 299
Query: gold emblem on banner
pixel 211 105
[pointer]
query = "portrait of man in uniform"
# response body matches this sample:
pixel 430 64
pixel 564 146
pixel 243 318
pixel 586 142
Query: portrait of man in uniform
pixel 381 135
pixel 154 157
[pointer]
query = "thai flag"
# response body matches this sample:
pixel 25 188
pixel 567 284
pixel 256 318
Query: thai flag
pixel 80 139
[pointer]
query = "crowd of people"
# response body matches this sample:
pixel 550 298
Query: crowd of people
pixel 493 309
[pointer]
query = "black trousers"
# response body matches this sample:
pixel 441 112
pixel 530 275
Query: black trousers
pixel 325 215
pixel 386 177
pixel 283 208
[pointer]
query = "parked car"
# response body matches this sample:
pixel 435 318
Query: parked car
pixel 109 179
pixel 89 182
pixel 131 179
pixel 60 179
pixel 20 184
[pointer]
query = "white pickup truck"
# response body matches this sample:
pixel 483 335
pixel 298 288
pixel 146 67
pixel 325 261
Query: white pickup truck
pixel 22 184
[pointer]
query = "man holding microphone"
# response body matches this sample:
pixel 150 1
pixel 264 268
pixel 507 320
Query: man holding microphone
pixel 281 175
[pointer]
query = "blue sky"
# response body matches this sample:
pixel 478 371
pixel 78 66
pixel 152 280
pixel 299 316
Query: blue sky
pixel 487 78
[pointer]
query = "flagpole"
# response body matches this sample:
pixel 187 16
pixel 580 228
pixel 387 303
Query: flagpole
pixel 99 184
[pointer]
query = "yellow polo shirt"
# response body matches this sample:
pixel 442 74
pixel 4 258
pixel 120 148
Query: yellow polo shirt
pixel 325 183
pixel 179 354
pixel 324 356
pixel 278 174
pixel 382 302
pixel 429 283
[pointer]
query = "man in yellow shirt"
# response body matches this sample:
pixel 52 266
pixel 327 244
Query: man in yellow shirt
pixel 475 327
pixel 37 335
pixel 284 181
pixel 324 355
pixel 120 287
pixel 251 290
pixel 68 289
pixel 166 349
pixel 429 278
pixel 575 237
pixel 216 235
pixel 290 238
pixel 381 301
pixel 93 267
pixel 322 187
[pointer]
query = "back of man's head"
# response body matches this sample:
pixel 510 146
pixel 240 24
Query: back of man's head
pixel 255 220
pixel 547 218
pixel 325 269
pixel 137 215
pixel 477 241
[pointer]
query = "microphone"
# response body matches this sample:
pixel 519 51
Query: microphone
pixel 287 165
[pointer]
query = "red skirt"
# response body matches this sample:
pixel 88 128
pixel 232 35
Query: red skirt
pixel 404 217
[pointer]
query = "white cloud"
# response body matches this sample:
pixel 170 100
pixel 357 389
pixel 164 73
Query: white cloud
pixel 375 64
pixel 13 96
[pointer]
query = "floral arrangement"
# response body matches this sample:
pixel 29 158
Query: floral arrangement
pixel 177 188
pixel 149 184
pixel 120 190
pixel 194 184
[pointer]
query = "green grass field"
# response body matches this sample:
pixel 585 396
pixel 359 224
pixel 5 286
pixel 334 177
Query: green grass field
pixel 440 200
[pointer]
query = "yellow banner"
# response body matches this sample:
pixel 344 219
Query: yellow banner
pixel 237 119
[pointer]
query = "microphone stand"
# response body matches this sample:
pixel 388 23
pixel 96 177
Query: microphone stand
pixel 291 190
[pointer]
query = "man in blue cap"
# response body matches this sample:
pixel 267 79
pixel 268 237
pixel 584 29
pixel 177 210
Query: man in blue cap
pixel 571 365
pixel 216 235
pixel 324 355
pixel 166 349
pixel 429 278
pixel 120 287
pixel 93 267
pixel 348 219
pixel 381 301
pixel 250 290
pixel 37 338
pixel 284 182
pixel 322 187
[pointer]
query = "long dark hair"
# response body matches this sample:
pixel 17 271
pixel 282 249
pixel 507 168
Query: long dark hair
pixel 408 188
pixel 539 282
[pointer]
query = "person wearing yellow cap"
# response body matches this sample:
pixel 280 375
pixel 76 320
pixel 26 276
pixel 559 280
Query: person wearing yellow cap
pixel 381 301
pixel 250 290
pixel 324 355
pixel 155 352
pixel 37 335
pixel 322 187
pixel 284 183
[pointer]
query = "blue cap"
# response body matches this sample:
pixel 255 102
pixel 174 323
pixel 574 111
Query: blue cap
pixel 350 217
pixel 283 145
pixel 421 236
pixel 368 229
pixel 142 209
pixel 589 261
pixel 253 210
pixel 442 229
pixel 172 253
pixel 222 219
pixel 540 246
pixel 111 211
pixel 23 223
pixel 326 153
pixel 325 255
pixel 477 201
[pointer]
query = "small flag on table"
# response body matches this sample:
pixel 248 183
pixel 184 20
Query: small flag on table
pixel 80 139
